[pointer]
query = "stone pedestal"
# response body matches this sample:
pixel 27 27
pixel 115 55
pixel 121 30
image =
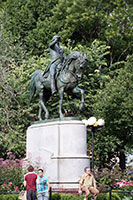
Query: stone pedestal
pixel 59 147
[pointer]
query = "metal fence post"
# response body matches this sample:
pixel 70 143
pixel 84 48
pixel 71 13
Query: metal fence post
pixel 110 193
pixel 50 193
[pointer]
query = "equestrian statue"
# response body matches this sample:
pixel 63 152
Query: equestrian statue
pixel 61 75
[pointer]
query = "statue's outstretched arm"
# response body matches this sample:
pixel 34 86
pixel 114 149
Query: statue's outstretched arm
pixel 52 43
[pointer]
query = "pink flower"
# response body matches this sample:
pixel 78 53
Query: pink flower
pixel 5 163
pixel 10 183
pixel 9 153
pixel 130 183
pixel 17 160
pixel 3 184
pixel 122 185
pixel 12 157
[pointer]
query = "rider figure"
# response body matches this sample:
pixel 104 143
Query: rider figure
pixel 56 58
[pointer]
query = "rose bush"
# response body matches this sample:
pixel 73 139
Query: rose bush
pixel 123 183
pixel 11 174
pixel 114 178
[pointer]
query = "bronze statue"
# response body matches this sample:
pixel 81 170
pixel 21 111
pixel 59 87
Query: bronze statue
pixel 67 73
pixel 56 59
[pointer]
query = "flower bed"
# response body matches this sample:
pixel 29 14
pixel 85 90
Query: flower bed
pixel 11 174
pixel 11 180
pixel 64 197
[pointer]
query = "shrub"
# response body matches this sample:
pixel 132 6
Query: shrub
pixel 66 197
pixel 72 197
pixel 106 177
pixel 114 178
pixel 101 197
pixel 9 197
pixel 114 196
pixel 69 197
pixel 11 174
pixel 56 196
pixel 125 186
pixel 127 198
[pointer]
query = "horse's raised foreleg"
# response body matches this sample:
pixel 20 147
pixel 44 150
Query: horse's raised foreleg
pixel 42 106
pixel 78 90
pixel 61 93
pixel 40 112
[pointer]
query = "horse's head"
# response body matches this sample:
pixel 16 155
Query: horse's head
pixel 80 64
pixel 76 64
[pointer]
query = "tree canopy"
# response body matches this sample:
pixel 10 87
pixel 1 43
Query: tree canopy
pixel 114 104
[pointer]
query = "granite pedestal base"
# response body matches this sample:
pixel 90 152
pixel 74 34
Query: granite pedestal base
pixel 60 148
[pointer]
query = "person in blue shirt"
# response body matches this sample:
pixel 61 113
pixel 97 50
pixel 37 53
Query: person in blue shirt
pixel 43 186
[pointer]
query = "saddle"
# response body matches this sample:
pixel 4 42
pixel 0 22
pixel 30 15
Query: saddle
pixel 57 69
pixel 61 66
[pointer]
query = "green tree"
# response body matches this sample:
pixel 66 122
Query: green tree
pixel 35 22
pixel 114 104
pixel 84 20
pixel 25 20
pixel 16 112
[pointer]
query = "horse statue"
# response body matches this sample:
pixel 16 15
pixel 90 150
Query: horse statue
pixel 67 77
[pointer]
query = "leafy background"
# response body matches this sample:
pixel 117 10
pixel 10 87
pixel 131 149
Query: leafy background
pixel 102 30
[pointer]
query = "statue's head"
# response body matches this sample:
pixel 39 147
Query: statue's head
pixel 56 37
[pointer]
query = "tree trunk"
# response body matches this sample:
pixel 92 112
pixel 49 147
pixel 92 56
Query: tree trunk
pixel 122 160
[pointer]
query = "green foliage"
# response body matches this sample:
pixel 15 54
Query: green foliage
pixel 82 21
pixel 15 111
pixel 9 197
pixel 97 72
pixel 106 178
pixel 105 196
pixel 127 198
pixel 24 19
pixel 117 179
pixel 33 23
pixel 115 196
pixel 101 197
pixel 114 104
pixel 104 148
pixel 56 196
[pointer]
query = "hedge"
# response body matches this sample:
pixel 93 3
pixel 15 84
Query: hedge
pixel 105 196
pixel 9 197
pixel 57 196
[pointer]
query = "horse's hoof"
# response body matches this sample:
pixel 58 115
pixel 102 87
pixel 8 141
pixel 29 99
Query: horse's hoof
pixel 61 116
pixel 47 116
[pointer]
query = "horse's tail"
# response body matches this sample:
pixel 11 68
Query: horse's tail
pixel 32 85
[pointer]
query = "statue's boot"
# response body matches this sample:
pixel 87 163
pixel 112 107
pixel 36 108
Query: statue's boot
pixel 53 88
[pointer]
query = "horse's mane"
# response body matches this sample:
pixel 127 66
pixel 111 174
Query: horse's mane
pixel 73 55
